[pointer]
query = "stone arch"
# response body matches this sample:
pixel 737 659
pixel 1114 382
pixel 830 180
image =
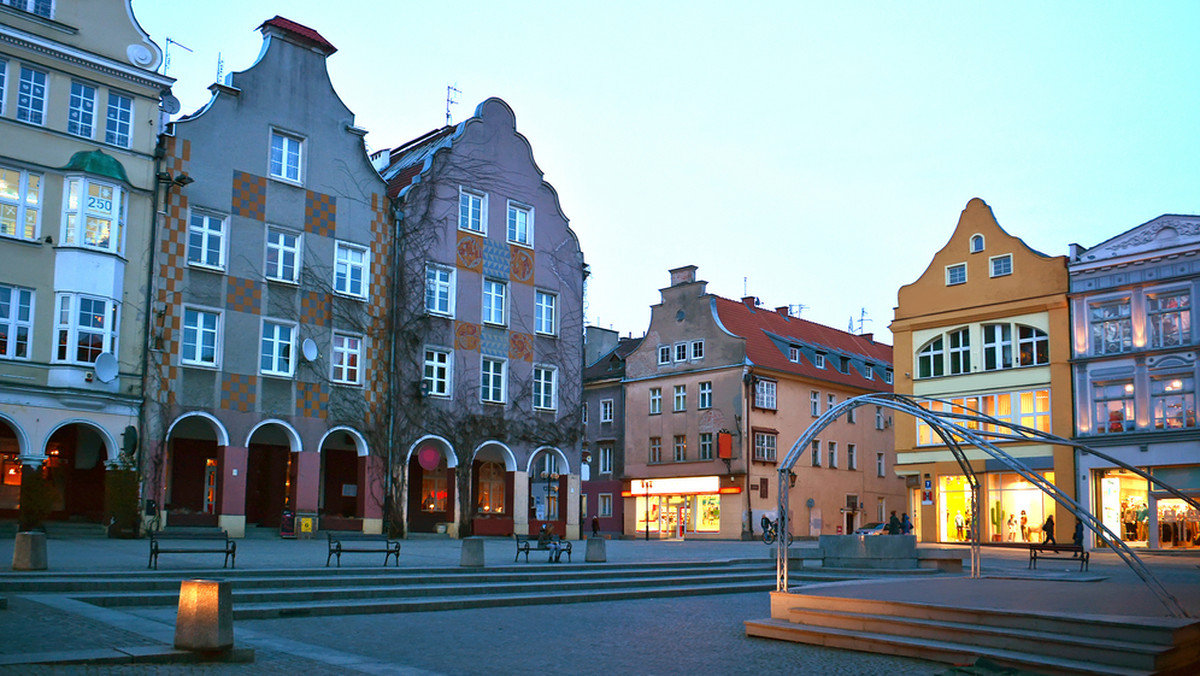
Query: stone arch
pixel 564 465
pixel 444 446
pixel 360 442
pixel 19 432
pixel 294 442
pixel 510 459
pixel 110 443
pixel 222 433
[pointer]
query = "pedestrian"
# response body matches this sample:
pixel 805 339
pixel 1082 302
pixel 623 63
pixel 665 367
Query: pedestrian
pixel 893 527
pixel 1048 531
pixel 905 525
pixel 1077 538
pixel 595 526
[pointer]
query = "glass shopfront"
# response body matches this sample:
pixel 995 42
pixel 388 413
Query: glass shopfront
pixel 671 508
pixel 1012 508
pixel 1123 503
pixel 954 497
pixel 1143 516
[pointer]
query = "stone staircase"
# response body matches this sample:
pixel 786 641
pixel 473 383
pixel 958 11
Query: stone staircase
pixel 261 594
pixel 1041 642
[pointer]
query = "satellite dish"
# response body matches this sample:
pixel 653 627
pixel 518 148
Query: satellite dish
pixel 106 367
pixel 309 348
pixel 170 105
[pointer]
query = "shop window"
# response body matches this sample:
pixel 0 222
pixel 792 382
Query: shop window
pixel 1111 327
pixel 1122 503
pixel 1169 317
pixel 491 488
pixel 433 490
pixel 1021 507
pixel 1113 407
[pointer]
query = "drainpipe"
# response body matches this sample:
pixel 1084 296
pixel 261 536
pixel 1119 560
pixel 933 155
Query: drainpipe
pixel 748 406
pixel 147 341
pixel 393 264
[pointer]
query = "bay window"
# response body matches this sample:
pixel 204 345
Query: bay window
pixel 94 216
pixel 86 327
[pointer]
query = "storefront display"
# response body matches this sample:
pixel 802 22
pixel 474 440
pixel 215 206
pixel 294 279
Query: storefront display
pixel 954 496
pixel 1123 505
pixel 675 507
pixel 1012 508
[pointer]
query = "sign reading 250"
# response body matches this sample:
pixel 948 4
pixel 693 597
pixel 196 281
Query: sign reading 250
pixel 99 204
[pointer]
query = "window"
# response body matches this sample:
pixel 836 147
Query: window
pixel 1034 410
pixel 278 345
pixel 764 394
pixel 976 243
pixel 959 352
pixel 81 113
pixel 1169 315
pixel 1001 265
pixel 680 448
pixel 347 359
pixel 491 488
pixel 206 240
pixel 545 313
pixel 606 458
pixel 878 417
pixel 655 400
pixel 815 452
pixel 3 83
pixel 705 398
pixel 31 96
pixel 869 371
pixel 40 7
pixel 655 450
pixel 1113 406
pixel 697 349
pixel 681 351
pixel 956 274
pixel 350 270
pixel 852 415
pixel 1173 402
pixel 664 354
pixel 1030 409
pixel 16 321
pixel 880 464
pixel 814 403
pixel 1112 330
pixel 832 401
pixel 887 376
pixel 437 372
pixel 833 455
pixel 583 412
pixel 472 211
pixel 119 123
pixel 606 410
pixel 545 392
pixel 285 156
pixel 520 224
pixel 851 456
pixel 605 505
pixel 492 385
pixel 764 447
pixel 680 398
pixel 929 359
pixel 201 333
pixel 86 327
pixel 820 361
pixel 283 255
pixel 997 346
pixel 1033 346
pixel 95 215
pixel 706 446
pixel 495 296
pixel 20 203
pixel 794 355
pixel 439 290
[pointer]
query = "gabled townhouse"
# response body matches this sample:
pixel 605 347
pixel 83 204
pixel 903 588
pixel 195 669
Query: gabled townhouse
pixel 1134 348
pixel 719 389
pixel 488 319
pixel 603 420
pixel 985 327
pixel 268 389
pixel 79 117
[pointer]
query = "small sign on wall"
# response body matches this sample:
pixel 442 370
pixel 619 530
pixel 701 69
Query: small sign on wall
pixel 349 490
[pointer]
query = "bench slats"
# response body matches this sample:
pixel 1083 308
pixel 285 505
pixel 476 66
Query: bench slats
pixel 227 546
pixel 384 545
pixel 1057 551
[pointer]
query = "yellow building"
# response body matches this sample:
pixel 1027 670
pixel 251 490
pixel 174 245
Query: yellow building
pixel 985 327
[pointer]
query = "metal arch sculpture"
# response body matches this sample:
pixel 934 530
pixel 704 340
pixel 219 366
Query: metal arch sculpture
pixel 950 428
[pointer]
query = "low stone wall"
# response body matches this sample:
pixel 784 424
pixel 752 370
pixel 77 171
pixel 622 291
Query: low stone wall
pixel 869 551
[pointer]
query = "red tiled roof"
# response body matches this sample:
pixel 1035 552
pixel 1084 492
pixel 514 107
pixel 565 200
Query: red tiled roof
pixel 301 31
pixel 769 333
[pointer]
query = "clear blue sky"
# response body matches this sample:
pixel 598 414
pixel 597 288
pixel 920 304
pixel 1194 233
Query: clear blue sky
pixel 822 151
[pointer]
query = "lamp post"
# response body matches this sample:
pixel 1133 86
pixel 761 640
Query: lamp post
pixel 646 490
pixel 550 477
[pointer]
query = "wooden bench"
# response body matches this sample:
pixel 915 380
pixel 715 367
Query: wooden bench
pixel 203 539
pixel 361 543
pixel 1047 551
pixel 526 542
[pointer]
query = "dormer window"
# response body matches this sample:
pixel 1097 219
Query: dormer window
pixel 820 361
pixel 794 355
pixel 976 243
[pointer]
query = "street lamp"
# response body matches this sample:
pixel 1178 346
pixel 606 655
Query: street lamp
pixel 646 490
pixel 550 477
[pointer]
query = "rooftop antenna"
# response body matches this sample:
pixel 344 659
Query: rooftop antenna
pixel 862 319
pixel 167 53
pixel 796 308
pixel 745 289
pixel 220 68
pixel 452 92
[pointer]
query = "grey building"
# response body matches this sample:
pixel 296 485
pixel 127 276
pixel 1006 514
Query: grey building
pixel 604 428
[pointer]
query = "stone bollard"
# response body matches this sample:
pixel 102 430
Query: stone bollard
pixel 205 618
pixel 29 551
pixel 596 550
pixel 472 553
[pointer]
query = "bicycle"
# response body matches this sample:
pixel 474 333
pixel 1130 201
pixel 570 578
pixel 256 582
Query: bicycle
pixel 771 531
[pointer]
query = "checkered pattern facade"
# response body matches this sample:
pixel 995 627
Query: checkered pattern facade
pixel 311 400
pixel 244 295
pixel 238 392
pixel 320 214
pixel 249 196
pixel 172 262
pixel 493 342
pixel 375 360
pixel 315 308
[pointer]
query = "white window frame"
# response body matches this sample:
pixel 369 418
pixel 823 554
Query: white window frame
pixel 344 267
pixel 851 456
pixel 794 355
pixel 583 413
pixel 281 337
pixel 81 110
pixel 933 353
pixel 869 371
pixel 819 362
pixel 200 225
pixel 440 279
pixel 681 351
pixel 516 209
pixel 1000 271
pixel 1122 322
pixel 487 374
pixel 765 446
pixel 830 402
pixel 606 459
pixel 1038 342
pixel 30 91
pixel 17 321
pixel 880 463
pixel 606 410
pixel 998 346
pixel 655 450
pixel 958 352
pixel 32 6
pixel 878 417
pixel 495 302
pixel 951 275
pixel 68 330
pixel 765 394
pixel 280 154
pixel 341 371
pixel 438 371
pixel 75 225
pixel 706 445
pixel 545 388
pixel 275 271
pixel 697 350
pixel 664 355
pixel 815 452
pixel 977 238
pixel 704 396
pixel 679 398
pixel 887 376
pixel 1169 325
pixel 679 448
pixel 605 507
pixel 3 84
pixel 466 200
pixel 833 458
pixel 201 329
pixel 655 400
pixel 814 403
pixel 22 206
pixel 545 313
pixel 118 120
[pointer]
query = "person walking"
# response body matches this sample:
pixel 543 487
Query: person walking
pixel 1048 531
pixel 893 527
pixel 905 525
pixel 1077 538
pixel 595 526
